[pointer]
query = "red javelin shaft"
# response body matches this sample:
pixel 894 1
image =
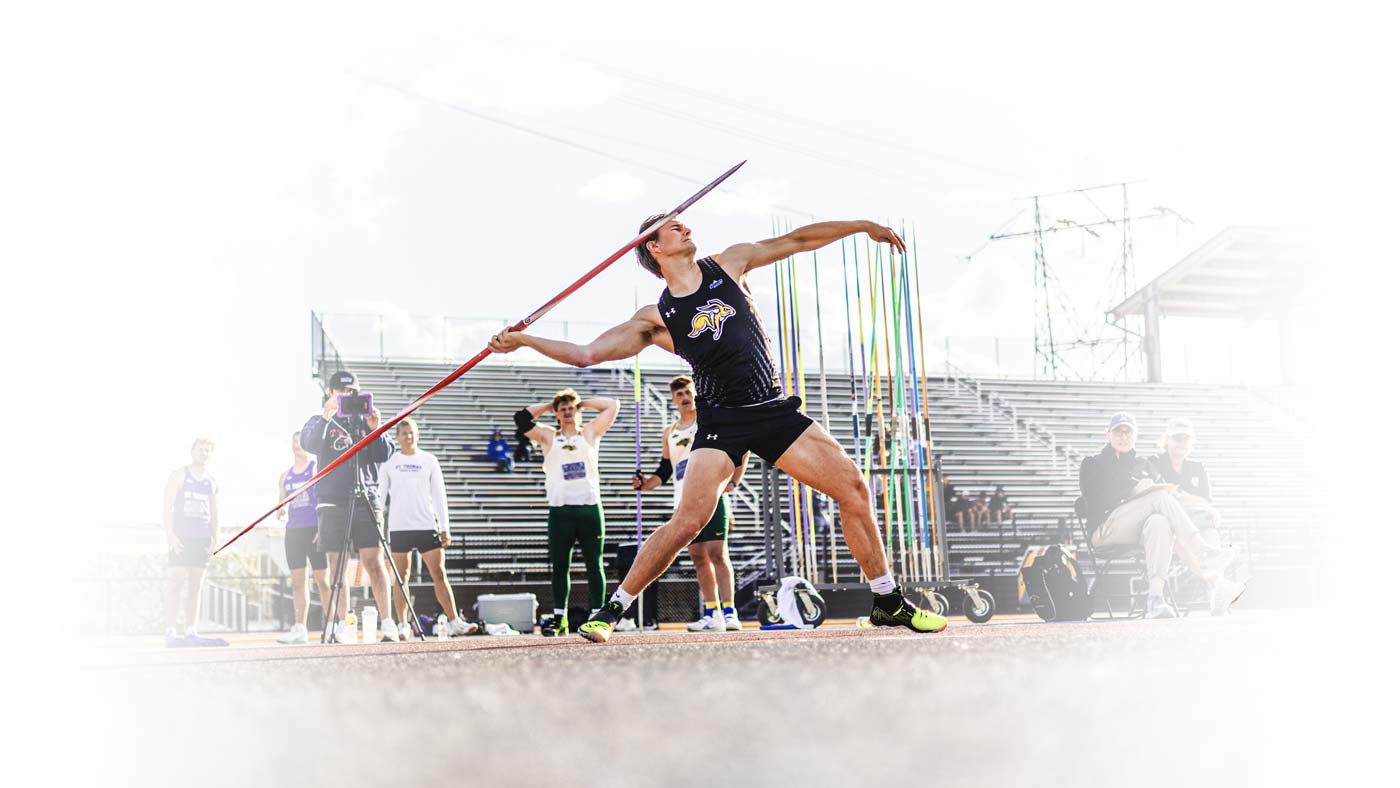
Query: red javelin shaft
pixel 474 360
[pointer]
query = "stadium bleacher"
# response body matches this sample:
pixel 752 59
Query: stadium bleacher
pixel 1026 436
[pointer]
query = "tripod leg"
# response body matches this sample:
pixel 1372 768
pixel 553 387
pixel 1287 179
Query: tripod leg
pixel 334 612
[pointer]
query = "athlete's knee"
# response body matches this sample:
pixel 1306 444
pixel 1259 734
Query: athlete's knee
pixel 698 554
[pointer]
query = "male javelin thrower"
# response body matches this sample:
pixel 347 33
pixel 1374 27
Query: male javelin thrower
pixel 707 316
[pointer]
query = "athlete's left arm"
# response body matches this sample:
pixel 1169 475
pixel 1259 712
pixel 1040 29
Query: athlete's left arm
pixel 739 259
pixel 607 408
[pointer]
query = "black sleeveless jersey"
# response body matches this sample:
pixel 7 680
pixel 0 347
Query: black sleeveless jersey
pixel 717 329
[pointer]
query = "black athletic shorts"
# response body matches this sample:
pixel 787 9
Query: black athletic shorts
pixel 422 540
pixel 333 520
pixel 766 430
pixel 193 551
pixel 300 544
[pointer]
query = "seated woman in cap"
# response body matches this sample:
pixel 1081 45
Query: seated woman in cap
pixel 1126 502
pixel 1173 465
pixel 1189 476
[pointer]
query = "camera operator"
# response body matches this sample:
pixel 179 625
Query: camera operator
pixel 350 502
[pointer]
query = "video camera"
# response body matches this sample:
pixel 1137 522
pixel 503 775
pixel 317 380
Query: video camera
pixel 354 406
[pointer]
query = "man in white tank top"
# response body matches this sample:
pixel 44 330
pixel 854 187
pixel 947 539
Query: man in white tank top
pixel 571 484
pixel 710 548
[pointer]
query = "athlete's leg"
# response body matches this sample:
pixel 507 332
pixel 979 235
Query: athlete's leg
pixel 194 581
pixel 301 595
pixel 590 539
pixel 174 587
pixel 436 561
pixel 724 571
pixel 705 472
pixel 561 551
pixel 704 573
pixel 401 562
pixel 372 559
pixel 819 462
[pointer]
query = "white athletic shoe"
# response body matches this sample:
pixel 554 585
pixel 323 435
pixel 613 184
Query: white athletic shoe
pixel 626 625
pixel 343 633
pixel 711 623
pixel 406 632
pixel 296 637
pixel 389 633
pixel 1227 593
pixel 732 623
pixel 1157 607
pixel 457 627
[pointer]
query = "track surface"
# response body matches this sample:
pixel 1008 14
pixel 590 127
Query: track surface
pixel 1192 702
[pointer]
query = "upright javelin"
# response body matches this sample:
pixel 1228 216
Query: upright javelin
pixel 474 360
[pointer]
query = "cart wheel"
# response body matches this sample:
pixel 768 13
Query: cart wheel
pixel 811 607
pixel 979 605
pixel 934 601
pixel 768 610
pixel 942 605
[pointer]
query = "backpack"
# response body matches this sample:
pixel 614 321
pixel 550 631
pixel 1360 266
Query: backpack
pixel 1051 583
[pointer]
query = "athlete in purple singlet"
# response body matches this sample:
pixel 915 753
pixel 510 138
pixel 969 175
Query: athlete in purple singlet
pixel 191 526
pixel 300 539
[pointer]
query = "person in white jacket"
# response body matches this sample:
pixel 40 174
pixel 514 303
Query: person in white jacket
pixel 411 483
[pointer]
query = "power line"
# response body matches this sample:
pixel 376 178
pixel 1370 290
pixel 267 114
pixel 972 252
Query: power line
pixel 557 139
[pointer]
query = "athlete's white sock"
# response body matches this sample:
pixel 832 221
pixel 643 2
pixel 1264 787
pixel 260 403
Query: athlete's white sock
pixel 560 612
pixel 623 597
pixel 884 584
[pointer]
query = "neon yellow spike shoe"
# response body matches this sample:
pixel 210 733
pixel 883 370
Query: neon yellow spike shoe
pixel 599 627
pixel 895 610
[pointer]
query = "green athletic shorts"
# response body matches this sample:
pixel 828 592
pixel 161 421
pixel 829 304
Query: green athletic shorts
pixel 717 529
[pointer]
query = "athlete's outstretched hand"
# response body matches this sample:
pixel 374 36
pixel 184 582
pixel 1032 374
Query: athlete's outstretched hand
pixel 505 341
pixel 885 235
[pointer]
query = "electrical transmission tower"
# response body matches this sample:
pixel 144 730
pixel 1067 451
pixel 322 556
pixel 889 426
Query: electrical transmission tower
pixel 1055 359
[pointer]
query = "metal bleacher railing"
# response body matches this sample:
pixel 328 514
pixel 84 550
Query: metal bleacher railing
pixel 1023 435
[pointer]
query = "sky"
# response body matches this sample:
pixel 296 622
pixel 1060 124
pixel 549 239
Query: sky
pixel 184 184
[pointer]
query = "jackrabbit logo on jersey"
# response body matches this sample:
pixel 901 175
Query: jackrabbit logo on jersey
pixel 711 317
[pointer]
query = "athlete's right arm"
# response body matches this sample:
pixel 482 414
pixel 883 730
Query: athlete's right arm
pixel 172 489
pixel 281 485
pixel 619 342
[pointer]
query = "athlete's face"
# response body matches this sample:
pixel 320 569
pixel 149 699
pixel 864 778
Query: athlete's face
pixel 200 453
pixel 684 399
pixel 407 436
pixel 672 239
pixel 296 444
pixel 567 413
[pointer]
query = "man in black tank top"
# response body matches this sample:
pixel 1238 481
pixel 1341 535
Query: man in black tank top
pixel 707 316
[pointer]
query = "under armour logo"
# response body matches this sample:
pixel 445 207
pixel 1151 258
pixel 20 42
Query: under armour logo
pixel 711 436
pixel 716 283
pixel 670 312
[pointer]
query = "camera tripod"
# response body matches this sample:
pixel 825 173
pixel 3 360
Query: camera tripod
pixel 360 496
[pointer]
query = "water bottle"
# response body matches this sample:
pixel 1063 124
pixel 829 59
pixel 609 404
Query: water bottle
pixel 371 619
pixel 441 629
pixel 352 625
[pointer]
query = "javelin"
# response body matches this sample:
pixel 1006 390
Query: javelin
pixel 474 360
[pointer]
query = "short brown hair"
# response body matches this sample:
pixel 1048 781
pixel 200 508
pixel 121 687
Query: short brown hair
pixel 563 397
pixel 644 256
pixel 681 381
pixel 408 421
